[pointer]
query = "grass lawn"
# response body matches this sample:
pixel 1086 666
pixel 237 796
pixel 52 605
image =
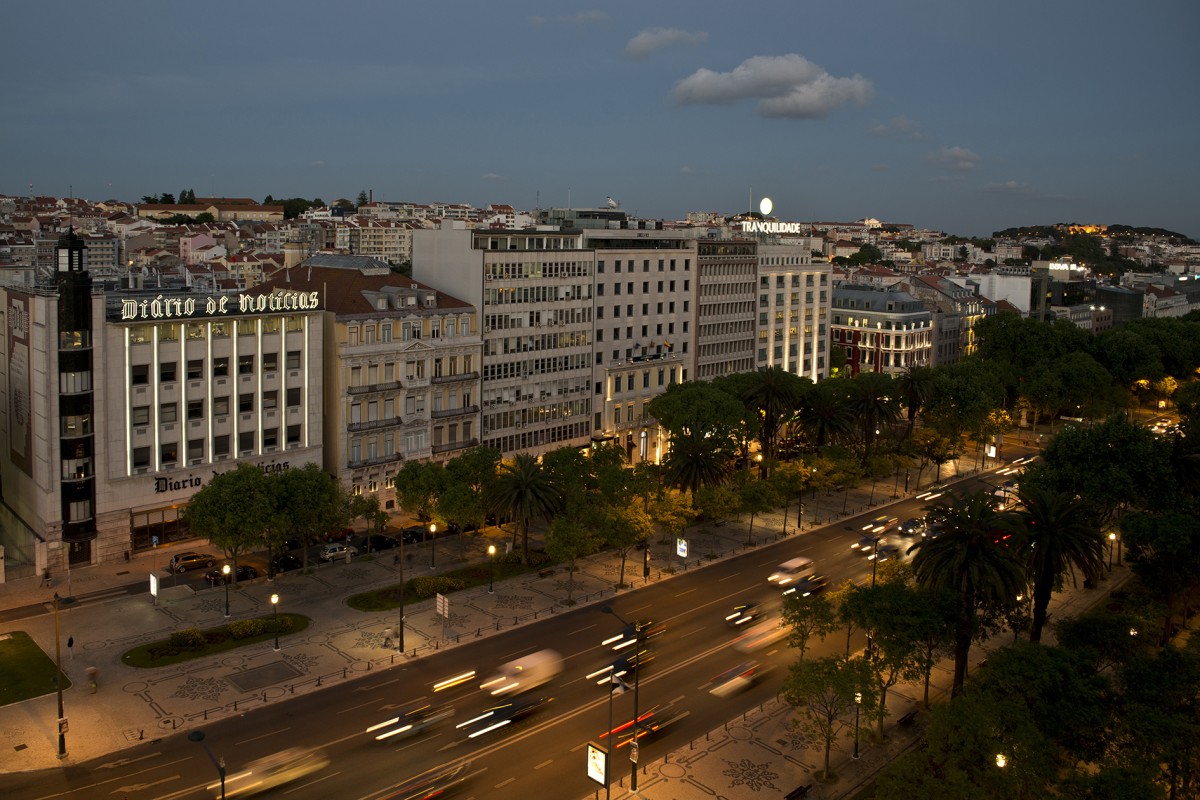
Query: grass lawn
pixel 25 671
pixel 422 588
pixel 193 643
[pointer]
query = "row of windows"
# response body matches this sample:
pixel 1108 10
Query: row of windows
pixel 168 371
pixel 658 331
pixel 630 380
pixel 616 310
pixel 415 329
pixel 543 436
pixel 535 366
pixel 169 332
pixel 615 288
pixel 535 343
pixel 631 265
pixel 169 453
pixel 535 415
pixel 169 412
pixel 764 281
pixel 539 269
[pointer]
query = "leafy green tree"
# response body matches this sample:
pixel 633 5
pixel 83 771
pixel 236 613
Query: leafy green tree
pixel 233 511
pixel 807 617
pixel 568 540
pixel 883 611
pixel 525 491
pixel 772 396
pixel 931 623
pixel 362 199
pixel 1127 356
pixel 824 690
pixel 671 512
pixel 756 497
pixel 622 527
pixel 469 476
pixel 874 401
pixel 867 254
pixel 826 413
pixel 1058 534
pixel 1164 551
pixel 974 559
pixel 1158 721
pixel 696 462
pixel 915 387
pixel 313 504
pixel 205 218
pixel 1101 639
pixel 718 502
pixel 790 481
pixel 418 486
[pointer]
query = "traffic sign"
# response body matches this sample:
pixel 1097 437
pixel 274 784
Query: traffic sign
pixel 633 751
pixel 443 605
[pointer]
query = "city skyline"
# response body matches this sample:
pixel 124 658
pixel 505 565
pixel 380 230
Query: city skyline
pixel 932 114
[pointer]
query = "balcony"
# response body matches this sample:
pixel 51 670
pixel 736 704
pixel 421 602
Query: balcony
pixel 372 462
pixel 411 382
pixel 447 447
pixel 462 376
pixel 355 427
pixel 390 386
pixel 454 412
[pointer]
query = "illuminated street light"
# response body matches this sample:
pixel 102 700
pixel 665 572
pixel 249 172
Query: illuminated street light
pixel 1001 760
pixel 275 606
pixel 432 545
pixel 491 567
pixel 225 570
pixel 857 706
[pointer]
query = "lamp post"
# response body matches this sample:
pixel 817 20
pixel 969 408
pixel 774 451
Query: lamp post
pixel 198 736
pixel 874 560
pixel 857 706
pixel 1112 541
pixel 637 675
pixel 491 567
pixel 275 607
pixel 225 576
pixel 62 720
pixel 400 635
pixel 432 545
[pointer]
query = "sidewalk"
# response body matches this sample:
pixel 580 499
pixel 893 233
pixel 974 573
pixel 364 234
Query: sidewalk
pixel 133 705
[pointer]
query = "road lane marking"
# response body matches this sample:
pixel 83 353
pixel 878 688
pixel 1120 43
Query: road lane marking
pixel 581 630
pixel 313 783
pixel 360 705
pixel 689 591
pixel 75 789
pixel 545 763
pixel 262 736
pixel 503 783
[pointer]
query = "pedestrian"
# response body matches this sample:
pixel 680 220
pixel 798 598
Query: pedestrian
pixel 395 559
pixel 46 578
pixel 92 672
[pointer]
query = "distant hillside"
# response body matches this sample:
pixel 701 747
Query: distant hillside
pixel 1119 232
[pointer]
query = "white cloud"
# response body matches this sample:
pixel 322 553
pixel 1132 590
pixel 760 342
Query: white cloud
pixel 1008 187
pixel 653 39
pixel 786 86
pixel 959 159
pixel 317 163
pixel 491 176
pixel 899 126
pixel 686 170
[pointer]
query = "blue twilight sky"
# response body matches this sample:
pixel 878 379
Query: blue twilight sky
pixel 959 115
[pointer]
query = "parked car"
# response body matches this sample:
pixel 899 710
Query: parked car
pixel 377 542
pixel 340 536
pixel 413 534
pixel 285 562
pixel 336 550
pixel 217 576
pixel 182 562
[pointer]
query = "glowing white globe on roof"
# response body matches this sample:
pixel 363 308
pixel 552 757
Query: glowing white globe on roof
pixel 765 206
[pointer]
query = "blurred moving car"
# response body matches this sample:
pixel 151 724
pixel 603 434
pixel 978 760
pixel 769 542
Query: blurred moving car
pixel 743 614
pixel 881 525
pixel 524 673
pixel 182 562
pixel 336 550
pixel 932 531
pixel 933 492
pixel 217 576
pixel 270 772
pixel 865 545
pixel 502 716
pixel 764 634
pixel 912 527
pixel 411 723
pixel 885 552
pixel 738 679
pixel 649 724
pixel 629 634
pixel 285 562
pixel 438 782
pixel 623 668
pixel 807 587
pixel 791 571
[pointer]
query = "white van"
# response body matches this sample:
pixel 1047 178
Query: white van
pixel 791 571
pixel 527 672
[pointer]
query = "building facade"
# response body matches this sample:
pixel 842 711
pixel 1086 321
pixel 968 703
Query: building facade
pixel 880 330
pixel 793 310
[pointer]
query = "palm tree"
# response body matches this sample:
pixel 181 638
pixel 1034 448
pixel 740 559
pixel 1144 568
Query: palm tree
pixel 826 413
pixel 873 404
pixel 695 460
pixel 772 396
pixel 974 558
pixel 915 385
pixel 1058 534
pixel 523 490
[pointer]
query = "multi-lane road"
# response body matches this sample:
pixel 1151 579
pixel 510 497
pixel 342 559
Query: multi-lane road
pixel 543 756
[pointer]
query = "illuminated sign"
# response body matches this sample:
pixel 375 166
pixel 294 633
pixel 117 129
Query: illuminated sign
pixel 164 307
pixel 756 226
pixel 596 762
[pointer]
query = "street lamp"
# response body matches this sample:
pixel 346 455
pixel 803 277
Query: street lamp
pixel 400 635
pixel 1112 541
pixel 637 676
pixel 491 567
pixel 432 545
pixel 62 720
pixel 275 606
pixel 857 706
pixel 198 736
pixel 225 574
pixel 1001 760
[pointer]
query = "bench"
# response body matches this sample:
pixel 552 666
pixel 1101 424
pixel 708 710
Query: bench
pixel 798 792
pixel 907 719
pixel 545 572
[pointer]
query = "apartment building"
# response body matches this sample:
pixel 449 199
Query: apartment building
pixel 880 330
pixel 123 402
pixel 726 285
pixel 794 297
pixel 401 370
pixel 533 290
